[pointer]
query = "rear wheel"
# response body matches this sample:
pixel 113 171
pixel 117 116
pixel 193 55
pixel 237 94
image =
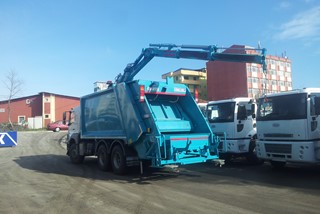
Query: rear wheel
pixel 74 155
pixel 118 160
pixel 103 158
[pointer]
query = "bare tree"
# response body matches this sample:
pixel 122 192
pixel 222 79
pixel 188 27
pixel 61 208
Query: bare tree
pixel 14 86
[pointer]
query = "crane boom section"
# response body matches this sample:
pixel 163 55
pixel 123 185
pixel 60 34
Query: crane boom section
pixel 210 53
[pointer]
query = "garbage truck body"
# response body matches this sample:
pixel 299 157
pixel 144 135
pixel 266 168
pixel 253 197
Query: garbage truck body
pixel 146 122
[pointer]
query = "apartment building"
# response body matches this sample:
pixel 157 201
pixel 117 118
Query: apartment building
pixel 236 79
pixel 194 79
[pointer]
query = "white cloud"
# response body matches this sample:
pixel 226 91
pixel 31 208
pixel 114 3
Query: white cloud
pixel 305 25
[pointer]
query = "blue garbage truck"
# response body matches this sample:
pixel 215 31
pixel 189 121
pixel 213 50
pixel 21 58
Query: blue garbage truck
pixel 141 122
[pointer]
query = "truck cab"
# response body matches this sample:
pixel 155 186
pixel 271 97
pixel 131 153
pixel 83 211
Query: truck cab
pixel 288 127
pixel 234 120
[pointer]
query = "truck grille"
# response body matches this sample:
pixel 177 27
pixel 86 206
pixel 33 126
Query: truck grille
pixel 275 135
pixel 278 148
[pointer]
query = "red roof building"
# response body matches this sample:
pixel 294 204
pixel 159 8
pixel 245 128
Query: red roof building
pixel 37 110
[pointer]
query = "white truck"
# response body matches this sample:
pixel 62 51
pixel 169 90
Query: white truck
pixel 234 121
pixel 288 127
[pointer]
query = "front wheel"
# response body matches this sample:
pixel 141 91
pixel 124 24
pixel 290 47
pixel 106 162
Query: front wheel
pixel 118 160
pixel 57 129
pixel 74 155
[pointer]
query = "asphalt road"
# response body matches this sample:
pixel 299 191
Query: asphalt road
pixel 37 177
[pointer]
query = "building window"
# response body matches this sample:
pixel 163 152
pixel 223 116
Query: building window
pixel 194 78
pixel 281 73
pixel 177 78
pixel 186 77
pixel 21 119
pixel 249 68
pixel 254 69
pixel 260 70
pixel 46 116
pixel 273 72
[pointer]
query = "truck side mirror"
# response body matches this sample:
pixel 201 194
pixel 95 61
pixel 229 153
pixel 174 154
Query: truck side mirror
pixel 317 105
pixel 64 118
pixel 208 113
pixel 253 110
pixel 242 113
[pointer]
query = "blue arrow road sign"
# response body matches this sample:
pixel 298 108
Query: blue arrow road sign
pixel 8 139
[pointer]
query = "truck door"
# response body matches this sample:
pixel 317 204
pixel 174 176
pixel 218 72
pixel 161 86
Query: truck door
pixel 245 120
pixel 314 116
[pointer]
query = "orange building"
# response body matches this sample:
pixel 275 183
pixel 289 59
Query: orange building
pixel 37 110
pixel 234 79
pixel 195 79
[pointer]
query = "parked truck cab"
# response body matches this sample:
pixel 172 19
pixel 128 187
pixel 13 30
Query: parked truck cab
pixel 288 125
pixel 234 120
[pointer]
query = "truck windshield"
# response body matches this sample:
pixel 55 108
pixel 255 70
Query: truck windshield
pixel 221 112
pixel 286 107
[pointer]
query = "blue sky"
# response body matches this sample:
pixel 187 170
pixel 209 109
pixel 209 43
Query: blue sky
pixel 64 46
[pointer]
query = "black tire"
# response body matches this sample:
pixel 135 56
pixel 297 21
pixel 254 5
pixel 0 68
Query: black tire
pixel 252 154
pixel 277 164
pixel 226 157
pixel 74 155
pixel 118 160
pixel 103 158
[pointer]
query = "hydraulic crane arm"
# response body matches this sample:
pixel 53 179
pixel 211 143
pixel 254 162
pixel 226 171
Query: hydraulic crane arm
pixel 210 53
